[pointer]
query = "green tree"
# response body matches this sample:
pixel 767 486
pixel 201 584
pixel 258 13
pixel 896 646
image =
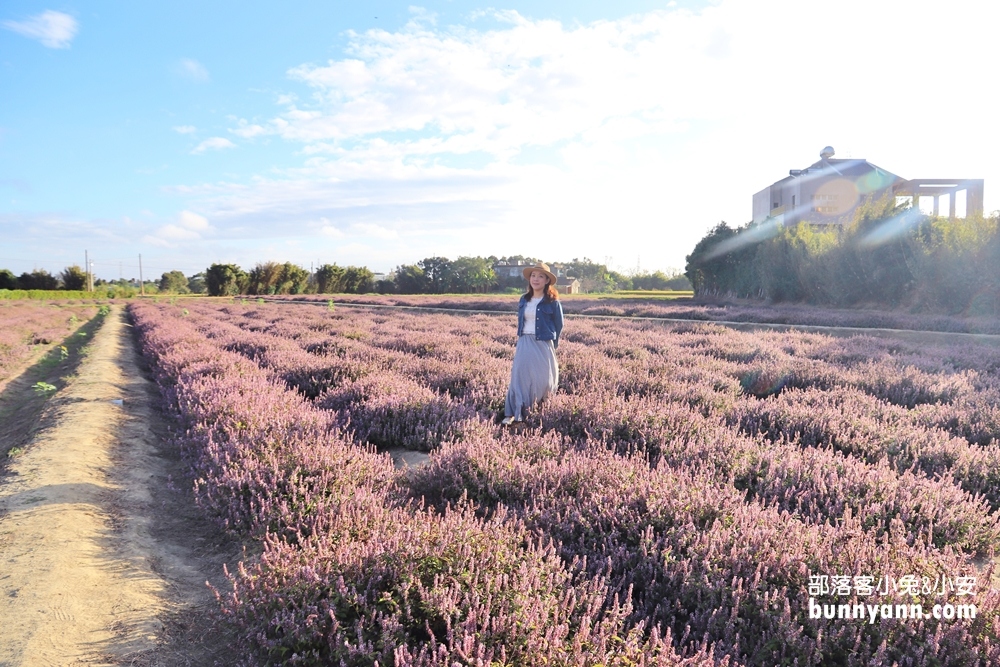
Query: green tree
pixel 884 255
pixel 437 273
pixel 722 264
pixel 618 281
pixel 73 278
pixel 646 280
pixel 7 279
pixel 330 279
pixel 225 280
pixel 777 263
pixel 593 277
pixel 264 278
pixel 679 282
pixel 37 279
pixel 957 269
pixel 292 279
pixel 174 282
pixel 196 283
pixel 658 280
pixel 358 280
pixel 410 279
pixel 471 274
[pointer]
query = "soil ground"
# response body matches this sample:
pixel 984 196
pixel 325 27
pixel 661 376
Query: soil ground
pixel 103 557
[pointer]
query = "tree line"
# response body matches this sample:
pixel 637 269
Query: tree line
pixel 432 275
pixel 70 278
pixel 73 278
pixel 439 275
pixel 287 278
pixel 886 255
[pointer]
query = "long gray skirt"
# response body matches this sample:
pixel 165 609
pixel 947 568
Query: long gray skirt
pixel 533 376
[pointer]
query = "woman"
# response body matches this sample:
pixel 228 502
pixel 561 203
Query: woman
pixel 535 373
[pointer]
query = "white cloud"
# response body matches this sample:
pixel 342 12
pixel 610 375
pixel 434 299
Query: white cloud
pixel 185 129
pixel 193 221
pixel 176 233
pixel 249 130
pixel 189 226
pixel 375 231
pixel 328 230
pixel 655 126
pixel 535 83
pixel 213 143
pixel 53 29
pixel 193 70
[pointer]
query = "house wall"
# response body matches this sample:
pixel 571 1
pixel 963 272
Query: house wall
pixel 569 289
pixel 818 198
pixel 762 204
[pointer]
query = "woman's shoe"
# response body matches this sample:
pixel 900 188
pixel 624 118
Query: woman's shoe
pixel 507 421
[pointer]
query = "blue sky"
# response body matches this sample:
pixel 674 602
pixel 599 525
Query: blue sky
pixel 382 133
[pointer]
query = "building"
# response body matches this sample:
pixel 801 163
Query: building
pixel 828 191
pixel 511 273
pixel 507 269
pixel 567 285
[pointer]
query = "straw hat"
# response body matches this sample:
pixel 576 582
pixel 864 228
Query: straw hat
pixel 544 268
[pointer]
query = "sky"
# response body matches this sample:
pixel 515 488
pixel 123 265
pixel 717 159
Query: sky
pixel 381 133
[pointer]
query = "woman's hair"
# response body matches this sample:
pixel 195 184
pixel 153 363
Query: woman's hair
pixel 550 293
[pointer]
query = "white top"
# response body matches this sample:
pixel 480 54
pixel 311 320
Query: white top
pixel 529 316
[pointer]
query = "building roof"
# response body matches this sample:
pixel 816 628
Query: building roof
pixel 829 167
pixel 837 184
pixel 845 168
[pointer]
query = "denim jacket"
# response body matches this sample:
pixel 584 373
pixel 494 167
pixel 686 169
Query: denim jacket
pixel 548 320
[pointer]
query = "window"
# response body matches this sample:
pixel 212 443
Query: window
pixel 825 203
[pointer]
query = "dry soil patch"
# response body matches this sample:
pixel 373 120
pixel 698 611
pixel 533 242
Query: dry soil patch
pixel 102 559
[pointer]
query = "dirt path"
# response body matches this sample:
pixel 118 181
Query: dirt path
pixel 102 560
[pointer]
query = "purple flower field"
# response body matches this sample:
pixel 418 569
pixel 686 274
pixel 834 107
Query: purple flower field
pixel 683 500
pixel 24 325
pixel 685 309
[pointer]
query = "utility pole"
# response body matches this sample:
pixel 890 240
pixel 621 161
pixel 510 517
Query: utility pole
pixel 142 285
pixel 86 267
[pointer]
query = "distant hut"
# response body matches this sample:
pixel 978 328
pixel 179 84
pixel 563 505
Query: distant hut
pixel 567 285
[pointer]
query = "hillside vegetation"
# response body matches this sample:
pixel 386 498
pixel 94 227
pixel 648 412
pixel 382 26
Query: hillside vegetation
pixel 886 255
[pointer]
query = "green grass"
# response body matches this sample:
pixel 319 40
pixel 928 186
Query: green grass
pixel 99 294
pixel 44 388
